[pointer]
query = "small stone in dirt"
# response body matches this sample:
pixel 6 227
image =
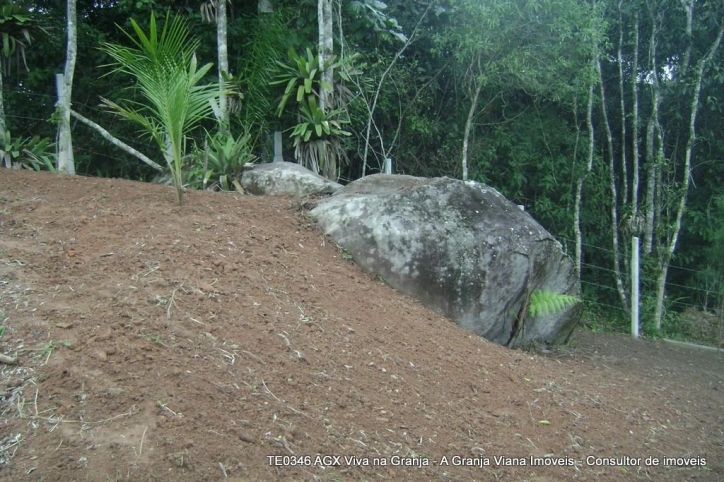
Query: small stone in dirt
pixel 246 437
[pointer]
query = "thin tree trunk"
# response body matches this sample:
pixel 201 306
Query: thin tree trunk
pixel 650 188
pixel 65 141
pixel 635 121
pixel 669 252
pixel 689 9
pixel 116 142
pixel 624 161
pixel 223 51
pixel 614 194
pixel 2 111
pixel 579 184
pixel 371 109
pixel 624 166
pixel 654 155
pixel 325 22
pixel 469 126
pixel 326 47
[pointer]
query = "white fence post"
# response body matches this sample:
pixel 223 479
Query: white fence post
pixel 278 157
pixel 388 166
pixel 635 286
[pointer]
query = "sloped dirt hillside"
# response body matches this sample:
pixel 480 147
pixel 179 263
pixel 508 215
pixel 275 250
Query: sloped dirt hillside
pixel 229 340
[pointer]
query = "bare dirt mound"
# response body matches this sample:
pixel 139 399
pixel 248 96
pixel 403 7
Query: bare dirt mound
pixel 227 340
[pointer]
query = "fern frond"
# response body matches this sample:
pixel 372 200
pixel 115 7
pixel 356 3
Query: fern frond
pixel 544 302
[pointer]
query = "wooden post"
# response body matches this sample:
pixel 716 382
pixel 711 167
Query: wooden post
pixel 635 286
pixel 278 157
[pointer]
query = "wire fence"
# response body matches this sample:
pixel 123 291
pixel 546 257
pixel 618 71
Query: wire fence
pixel 691 297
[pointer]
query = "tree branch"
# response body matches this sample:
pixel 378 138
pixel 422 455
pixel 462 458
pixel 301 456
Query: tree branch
pixel 120 144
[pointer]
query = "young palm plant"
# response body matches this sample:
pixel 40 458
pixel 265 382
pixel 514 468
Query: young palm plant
pixel 167 77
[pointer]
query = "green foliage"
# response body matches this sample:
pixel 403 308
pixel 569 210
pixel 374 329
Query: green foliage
pixel 317 135
pixel 302 76
pixel 166 73
pixel 265 41
pixel 544 302
pixel 15 23
pixel 372 13
pixel 30 153
pixel 315 122
pixel 601 320
pixel 317 138
pixel 221 161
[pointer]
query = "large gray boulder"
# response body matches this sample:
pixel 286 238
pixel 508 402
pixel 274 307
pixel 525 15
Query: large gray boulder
pixel 285 178
pixel 461 248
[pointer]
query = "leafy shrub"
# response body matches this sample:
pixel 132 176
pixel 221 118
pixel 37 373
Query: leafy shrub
pixel 34 153
pixel 318 133
pixel 221 161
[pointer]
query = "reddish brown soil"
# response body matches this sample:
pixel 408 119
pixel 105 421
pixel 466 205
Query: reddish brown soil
pixel 188 344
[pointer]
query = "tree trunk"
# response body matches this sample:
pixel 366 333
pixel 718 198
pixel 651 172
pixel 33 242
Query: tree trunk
pixel 654 155
pixel 223 51
pixel 686 175
pixel 469 126
pixel 326 88
pixel 624 166
pixel 614 195
pixel 622 147
pixel 2 112
pixel 689 9
pixel 579 184
pixel 635 127
pixel 326 47
pixel 65 142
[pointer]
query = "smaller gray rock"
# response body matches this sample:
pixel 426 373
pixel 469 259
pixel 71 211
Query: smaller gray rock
pixel 285 178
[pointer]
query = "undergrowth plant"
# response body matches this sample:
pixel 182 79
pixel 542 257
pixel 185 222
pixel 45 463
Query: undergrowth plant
pixel 36 153
pixel 318 132
pixel 218 165
pixel 545 302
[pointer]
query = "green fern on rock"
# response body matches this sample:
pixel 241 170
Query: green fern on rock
pixel 544 302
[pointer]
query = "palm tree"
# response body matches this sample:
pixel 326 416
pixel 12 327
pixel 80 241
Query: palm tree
pixel 167 76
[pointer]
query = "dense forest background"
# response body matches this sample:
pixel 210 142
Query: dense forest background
pixel 603 118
